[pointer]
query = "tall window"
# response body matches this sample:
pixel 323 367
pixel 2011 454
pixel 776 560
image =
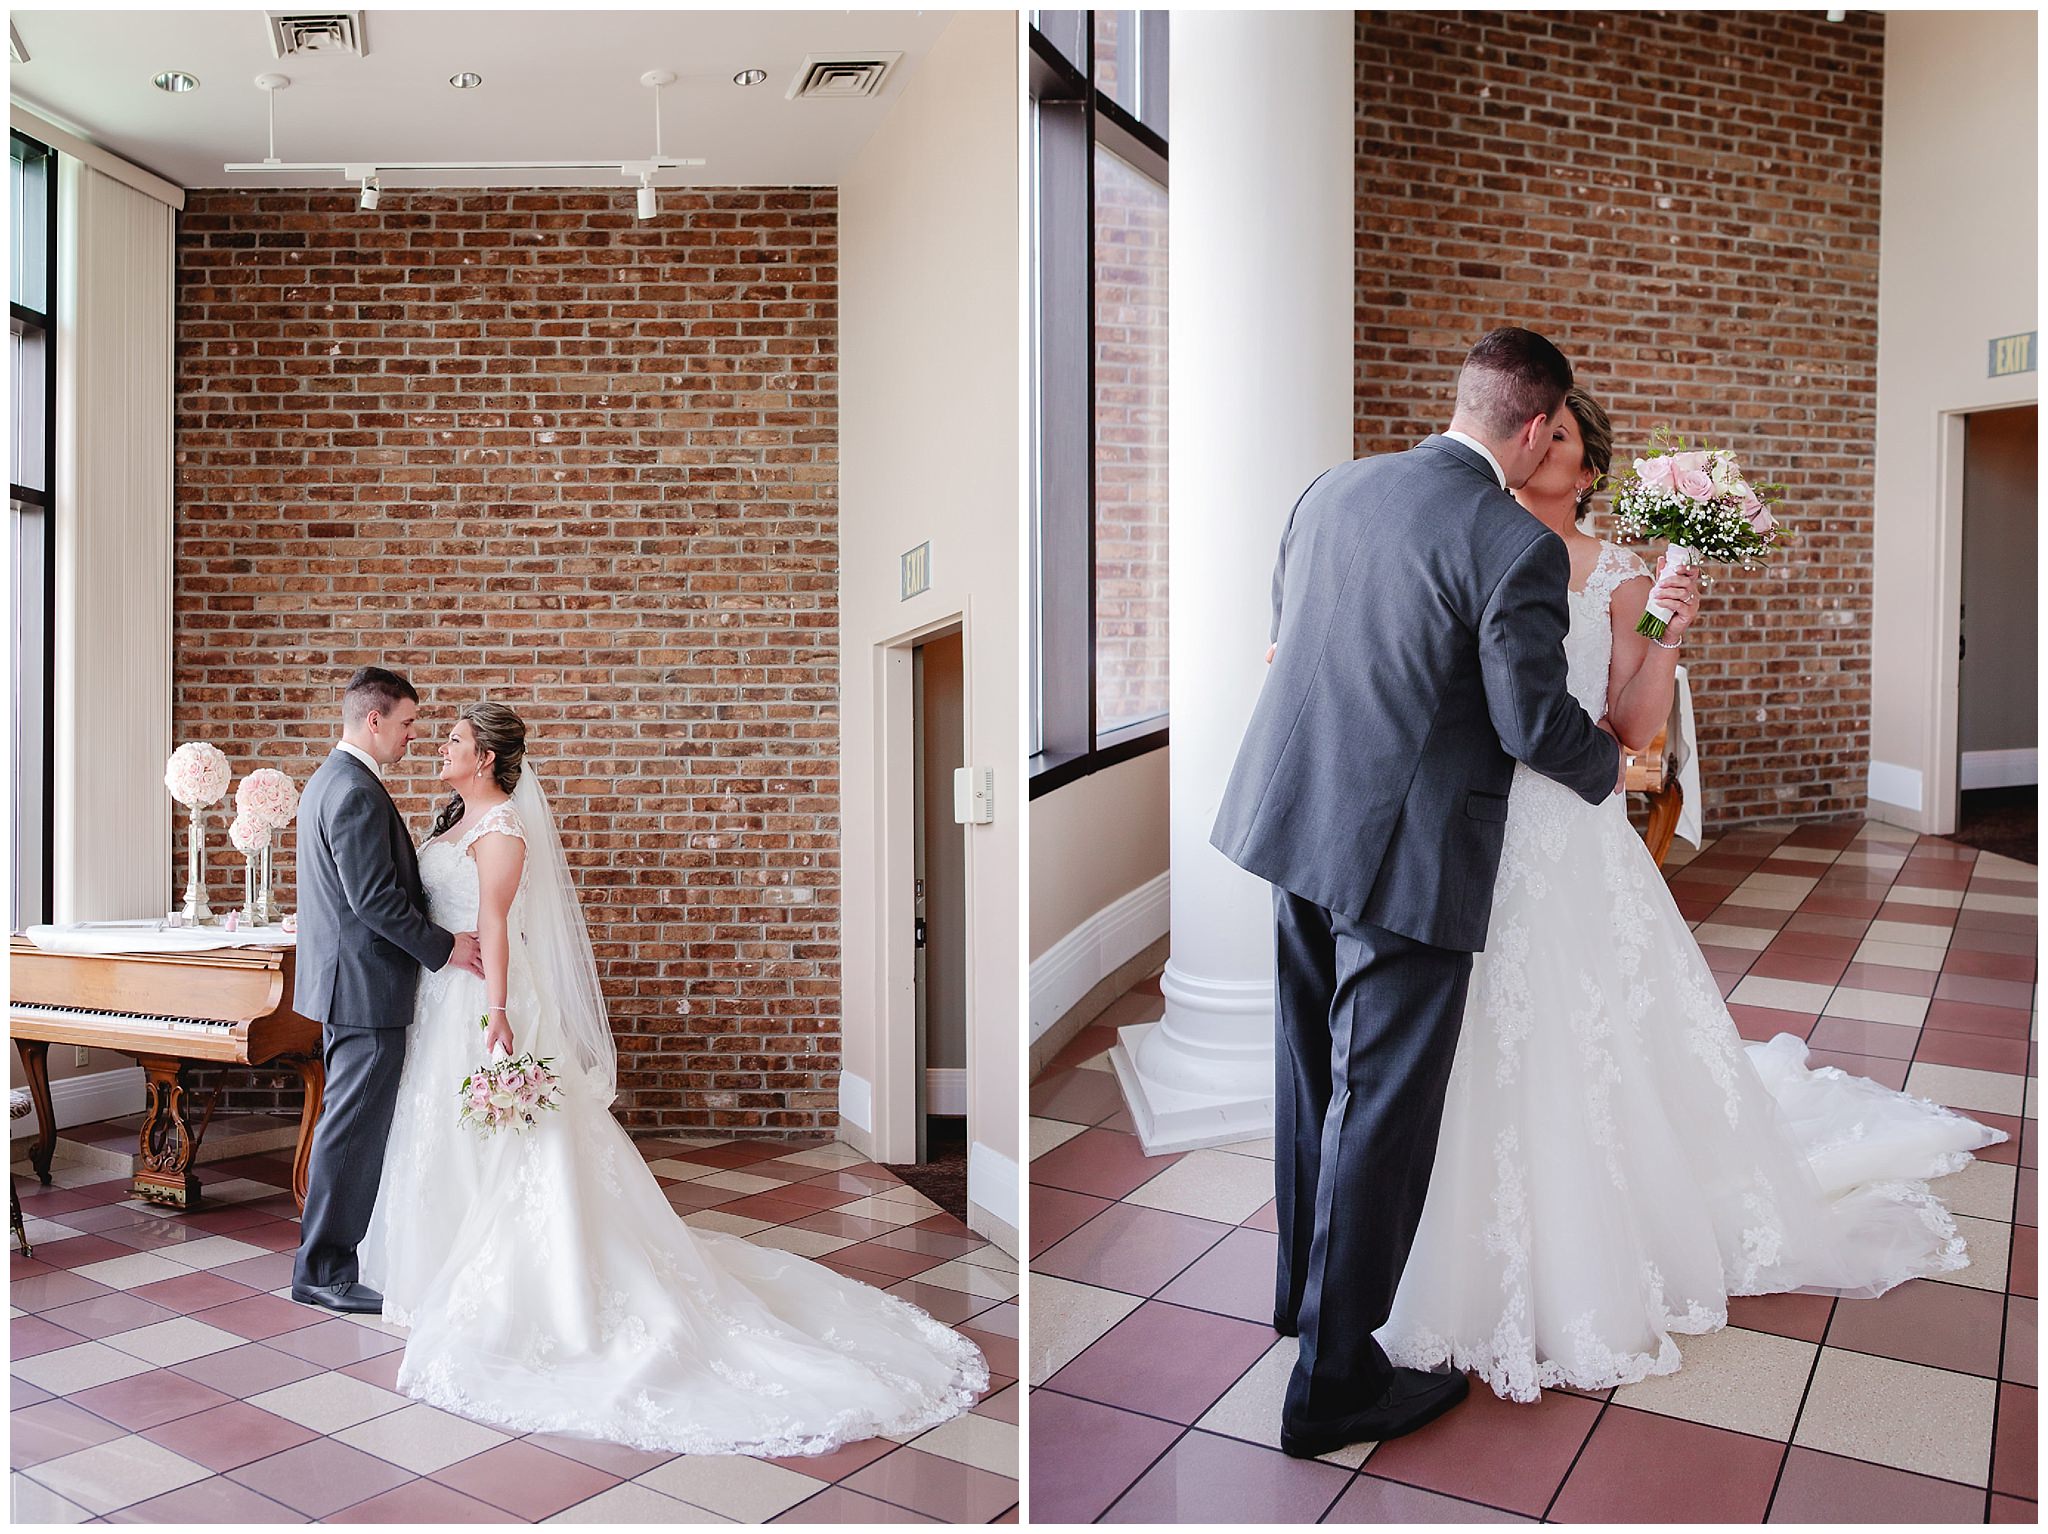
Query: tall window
pixel 1098 566
pixel 31 363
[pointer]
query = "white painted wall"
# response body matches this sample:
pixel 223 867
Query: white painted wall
pixel 930 244
pixel 1094 839
pixel 1957 266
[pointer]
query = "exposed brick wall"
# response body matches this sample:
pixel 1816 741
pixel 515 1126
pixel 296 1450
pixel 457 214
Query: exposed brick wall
pixel 1130 445
pixel 1688 205
pixel 519 445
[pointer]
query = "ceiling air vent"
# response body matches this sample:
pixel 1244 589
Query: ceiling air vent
pixel 329 32
pixel 843 77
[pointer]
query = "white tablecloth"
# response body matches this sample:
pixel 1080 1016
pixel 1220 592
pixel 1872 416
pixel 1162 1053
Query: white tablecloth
pixel 1686 758
pixel 150 935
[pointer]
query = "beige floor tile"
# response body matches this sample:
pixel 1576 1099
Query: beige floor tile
pixel 131 1272
pixel 42 1232
pixel 1878 831
pixel 805 1243
pixel 1957 1086
pixel 118 1472
pixel 1210 1185
pixel 1785 995
pixel 1803 854
pixel 214 1251
pixel 33 1502
pixel 66 1371
pixel 992 1257
pixel 1926 934
pixel 1989 1245
pixel 1915 894
pixel 1261 1149
pixel 983 1442
pixel 737 1182
pixel 1887 862
pixel 327 1403
pixel 1051 1134
pixel 750 1490
pixel 238 1190
pixel 1900 955
pixel 1992 865
pixel 1747 1382
pixel 634 1503
pixel 1099 1062
pixel 683 1170
pixel 908 1196
pixel 421 1438
pixel 1066 1318
pixel 892 1211
pixel 966 1278
pixel 1800 884
pixel 1983 1189
pixel 1765 898
pixel 1928 1421
pixel 1250 1409
pixel 2011 905
pixel 1875 1006
pixel 726 1224
pixel 1728 935
pixel 826 1157
pixel 371 1323
pixel 175 1341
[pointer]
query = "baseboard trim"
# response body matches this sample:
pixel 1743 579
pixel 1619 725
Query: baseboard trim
pixel 993 1191
pixel 945 1091
pixel 1067 972
pixel 857 1102
pixel 1895 786
pixel 2017 767
pixel 87 1099
pixel 1148 960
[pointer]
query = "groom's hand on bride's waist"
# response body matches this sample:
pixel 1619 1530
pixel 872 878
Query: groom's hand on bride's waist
pixel 1621 751
pixel 466 954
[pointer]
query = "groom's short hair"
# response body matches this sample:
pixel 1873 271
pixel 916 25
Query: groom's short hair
pixel 373 690
pixel 1511 376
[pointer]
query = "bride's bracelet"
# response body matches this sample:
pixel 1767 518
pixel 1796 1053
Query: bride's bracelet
pixel 1660 644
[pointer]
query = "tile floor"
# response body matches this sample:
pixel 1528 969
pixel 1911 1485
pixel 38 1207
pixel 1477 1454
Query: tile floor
pixel 1156 1376
pixel 160 1375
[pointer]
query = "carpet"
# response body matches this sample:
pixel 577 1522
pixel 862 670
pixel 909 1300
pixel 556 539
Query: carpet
pixel 2000 820
pixel 942 1175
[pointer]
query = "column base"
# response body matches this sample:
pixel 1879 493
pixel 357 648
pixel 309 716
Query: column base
pixel 1170 1119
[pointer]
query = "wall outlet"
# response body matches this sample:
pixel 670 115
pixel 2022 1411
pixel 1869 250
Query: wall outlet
pixel 80 1055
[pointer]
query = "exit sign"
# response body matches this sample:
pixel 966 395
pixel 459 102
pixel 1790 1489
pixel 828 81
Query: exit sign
pixel 916 572
pixel 2012 354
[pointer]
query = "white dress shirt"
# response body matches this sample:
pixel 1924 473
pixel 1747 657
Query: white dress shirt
pixel 364 757
pixel 1483 451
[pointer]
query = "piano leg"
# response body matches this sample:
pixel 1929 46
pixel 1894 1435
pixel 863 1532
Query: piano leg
pixel 313 1073
pixel 35 1064
pixel 163 1174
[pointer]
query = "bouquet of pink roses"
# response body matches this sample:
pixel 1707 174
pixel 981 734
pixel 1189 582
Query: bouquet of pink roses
pixel 509 1093
pixel 1697 500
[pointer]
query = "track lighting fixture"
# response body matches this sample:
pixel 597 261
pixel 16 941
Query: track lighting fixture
pixel 644 204
pixel 371 192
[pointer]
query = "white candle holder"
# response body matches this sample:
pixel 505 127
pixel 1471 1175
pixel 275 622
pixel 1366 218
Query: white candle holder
pixel 196 909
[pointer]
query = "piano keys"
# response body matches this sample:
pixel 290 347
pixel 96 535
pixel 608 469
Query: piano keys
pixel 227 1007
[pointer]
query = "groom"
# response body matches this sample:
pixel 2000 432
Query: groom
pixel 363 939
pixel 1419 619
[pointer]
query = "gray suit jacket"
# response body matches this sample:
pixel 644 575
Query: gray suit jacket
pixel 1420 615
pixel 363 928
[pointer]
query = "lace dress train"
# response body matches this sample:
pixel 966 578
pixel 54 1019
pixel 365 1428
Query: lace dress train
pixel 550 1287
pixel 1614 1162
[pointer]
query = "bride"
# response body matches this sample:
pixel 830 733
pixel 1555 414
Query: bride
pixel 548 1285
pixel 1613 1162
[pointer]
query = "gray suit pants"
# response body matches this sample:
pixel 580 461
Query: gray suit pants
pixel 363 1066
pixel 1368 1024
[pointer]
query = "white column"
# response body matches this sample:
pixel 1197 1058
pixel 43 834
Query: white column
pixel 1260 384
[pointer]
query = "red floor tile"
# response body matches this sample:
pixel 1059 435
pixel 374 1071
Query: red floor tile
pixel 2014 1445
pixel 891 1261
pixel 1804 1316
pixel 1233 1278
pixel 50 1430
pixel 1703 1474
pixel 1826 1488
pixel 1974 1051
pixel 1097 1161
pixel 2012 1510
pixel 2025 1256
pixel 332 1343
pixel 31 1335
pixel 1799 966
pixel 1077 1097
pixel 1801 939
pixel 1891 1073
pixel 194 1292
pixel 230 1436
pixel 1992 966
pixel 247 1370
pixel 939 1488
pixel 147 1400
pixel 216 1500
pixel 526 1480
pixel 261 1316
pixel 835 1504
pixel 1165 1361
pixel 1850 1036
pixel 841 1462
pixel 1493 1451
pixel 1209 1479
pixel 1970 1017
pixel 418 1503
pixel 1945 1326
pixel 320 1477
pixel 1131 1248
pixel 2022 1342
pixel 1893 979
pixel 1761 1024
pixel 2016 994
pixel 1371 1500
pixel 1056 1214
pixel 1098 1451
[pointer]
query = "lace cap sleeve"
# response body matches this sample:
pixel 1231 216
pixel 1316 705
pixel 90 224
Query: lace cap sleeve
pixel 1615 566
pixel 500 818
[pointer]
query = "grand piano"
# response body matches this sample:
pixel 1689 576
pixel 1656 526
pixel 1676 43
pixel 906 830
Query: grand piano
pixel 224 1007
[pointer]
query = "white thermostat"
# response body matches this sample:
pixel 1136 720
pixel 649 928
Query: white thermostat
pixel 974 795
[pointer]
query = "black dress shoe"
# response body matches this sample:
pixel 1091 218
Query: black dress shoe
pixel 1415 1398
pixel 357 1299
pixel 1284 1326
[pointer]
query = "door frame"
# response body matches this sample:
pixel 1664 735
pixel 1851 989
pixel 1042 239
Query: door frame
pixel 898 1091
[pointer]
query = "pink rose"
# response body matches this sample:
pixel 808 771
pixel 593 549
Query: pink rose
pixel 1654 472
pixel 1760 518
pixel 1701 462
pixel 1697 483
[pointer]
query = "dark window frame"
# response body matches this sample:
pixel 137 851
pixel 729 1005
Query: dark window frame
pixel 32 513
pixel 1067 742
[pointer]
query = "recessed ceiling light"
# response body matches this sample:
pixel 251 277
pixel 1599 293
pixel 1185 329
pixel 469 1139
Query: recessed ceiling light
pixel 466 81
pixel 176 81
pixel 750 77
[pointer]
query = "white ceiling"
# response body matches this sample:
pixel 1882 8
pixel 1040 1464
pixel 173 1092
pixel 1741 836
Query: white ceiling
pixel 558 85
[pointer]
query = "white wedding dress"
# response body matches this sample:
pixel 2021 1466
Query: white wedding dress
pixel 548 1285
pixel 1614 1162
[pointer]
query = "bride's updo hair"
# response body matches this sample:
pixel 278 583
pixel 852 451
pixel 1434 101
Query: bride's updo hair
pixel 499 731
pixel 1597 433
